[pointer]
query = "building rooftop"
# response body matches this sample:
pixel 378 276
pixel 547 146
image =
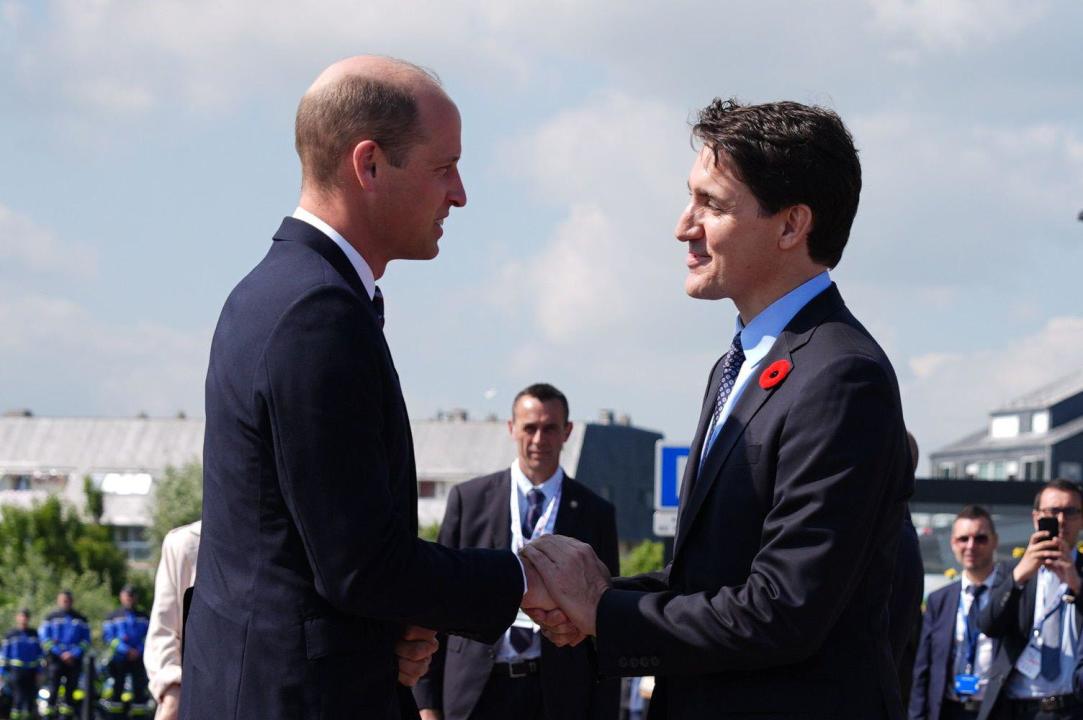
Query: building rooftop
pixel 1047 395
pixel 981 441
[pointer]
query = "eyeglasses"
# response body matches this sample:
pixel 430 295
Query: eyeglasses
pixel 979 539
pixel 1067 512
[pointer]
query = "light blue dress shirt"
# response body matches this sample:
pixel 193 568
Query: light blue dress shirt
pixel 758 337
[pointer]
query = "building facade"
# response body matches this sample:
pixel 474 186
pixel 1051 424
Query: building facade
pixel 1038 436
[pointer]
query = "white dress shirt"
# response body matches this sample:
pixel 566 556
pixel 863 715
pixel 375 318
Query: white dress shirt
pixel 363 270
pixel 983 659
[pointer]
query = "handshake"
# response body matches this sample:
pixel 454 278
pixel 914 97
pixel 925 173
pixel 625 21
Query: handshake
pixel 565 581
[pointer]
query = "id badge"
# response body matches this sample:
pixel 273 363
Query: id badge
pixel 1030 662
pixel 522 620
pixel 966 684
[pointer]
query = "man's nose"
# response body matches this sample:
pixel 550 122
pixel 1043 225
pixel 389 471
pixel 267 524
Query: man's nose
pixel 687 229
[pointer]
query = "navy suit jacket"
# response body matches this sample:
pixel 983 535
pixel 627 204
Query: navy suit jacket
pixel 310 566
pixel 775 602
pixel 478 515
pixel 934 664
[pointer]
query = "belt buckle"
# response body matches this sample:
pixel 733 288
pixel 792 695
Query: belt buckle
pixel 513 674
pixel 1049 704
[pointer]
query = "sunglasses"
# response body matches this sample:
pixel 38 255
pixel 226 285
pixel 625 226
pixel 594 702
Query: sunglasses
pixel 979 539
pixel 1068 512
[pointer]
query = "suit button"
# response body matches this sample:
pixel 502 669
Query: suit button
pixel 655 662
pixel 623 662
pixel 633 662
pixel 644 661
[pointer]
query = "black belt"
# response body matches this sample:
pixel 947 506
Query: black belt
pixel 1048 704
pixel 967 705
pixel 523 669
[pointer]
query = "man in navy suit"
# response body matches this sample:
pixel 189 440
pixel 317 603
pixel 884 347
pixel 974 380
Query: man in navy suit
pixel 522 675
pixel 954 657
pixel 315 598
pixel 775 602
pixel 1035 613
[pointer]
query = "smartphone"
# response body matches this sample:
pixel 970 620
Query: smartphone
pixel 1050 525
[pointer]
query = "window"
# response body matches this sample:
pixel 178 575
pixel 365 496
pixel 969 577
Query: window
pixel 1033 469
pixel 1070 471
pixel 946 471
pixel 1004 426
pixel 15 482
pixel 1040 422
pixel 132 541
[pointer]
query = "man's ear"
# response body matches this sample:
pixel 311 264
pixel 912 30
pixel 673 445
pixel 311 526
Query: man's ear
pixel 365 159
pixel 797 224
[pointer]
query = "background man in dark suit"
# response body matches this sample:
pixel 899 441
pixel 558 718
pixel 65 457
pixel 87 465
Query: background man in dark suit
pixel 310 572
pixel 775 602
pixel 951 644
pixel 1034 612
pixel 522 675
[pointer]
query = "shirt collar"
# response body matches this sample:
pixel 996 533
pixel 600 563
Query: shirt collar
pixel 759 335
pixel 988 582
pixel 522 482
pixel 363 270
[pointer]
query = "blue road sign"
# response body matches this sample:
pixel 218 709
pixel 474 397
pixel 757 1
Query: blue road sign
pixel 670 462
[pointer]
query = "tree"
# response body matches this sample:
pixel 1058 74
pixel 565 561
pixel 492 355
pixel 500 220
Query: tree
pixel 95 500
pixel 47 548
pixel 647 556
pixel 178 500
pixel 429 532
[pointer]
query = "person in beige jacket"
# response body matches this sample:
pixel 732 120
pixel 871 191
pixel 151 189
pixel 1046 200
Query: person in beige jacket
pixel 162 654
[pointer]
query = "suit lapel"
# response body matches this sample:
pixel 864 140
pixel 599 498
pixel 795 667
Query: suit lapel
pixel 945 630
pixel 698 483
pixel 498 507
pixel 691 468
pixel 567 522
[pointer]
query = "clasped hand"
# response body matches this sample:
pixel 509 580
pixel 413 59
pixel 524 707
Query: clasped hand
pixel 565 582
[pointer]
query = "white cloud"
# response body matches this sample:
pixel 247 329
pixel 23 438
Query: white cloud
pixel 29 246
pixel 615 166
pixel 949 395
pixel 118 368
pixel 956 24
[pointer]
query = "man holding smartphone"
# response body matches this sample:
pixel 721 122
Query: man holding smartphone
pixel 1034 611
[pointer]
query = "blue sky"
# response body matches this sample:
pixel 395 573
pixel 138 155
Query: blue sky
pixel 147 158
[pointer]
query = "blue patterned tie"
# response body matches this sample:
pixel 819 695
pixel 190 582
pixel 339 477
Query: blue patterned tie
pixel 522 637
pixel 731 366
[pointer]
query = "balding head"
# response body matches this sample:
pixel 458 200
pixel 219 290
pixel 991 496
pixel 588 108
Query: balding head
pixel 360 98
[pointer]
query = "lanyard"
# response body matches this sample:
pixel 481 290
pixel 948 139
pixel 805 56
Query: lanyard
pixel 1050 609
pixel 517 541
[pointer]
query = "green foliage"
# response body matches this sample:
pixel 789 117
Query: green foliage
pixel 48 548
pixel 95 500
pixel 178 500
pixel 429 532
pixel 647 556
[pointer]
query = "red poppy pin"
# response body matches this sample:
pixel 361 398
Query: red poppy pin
pixel 775 373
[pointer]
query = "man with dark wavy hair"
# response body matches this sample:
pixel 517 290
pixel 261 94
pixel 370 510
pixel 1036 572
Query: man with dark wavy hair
pixel 775 602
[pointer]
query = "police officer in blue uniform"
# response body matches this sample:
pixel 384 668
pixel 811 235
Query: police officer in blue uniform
pixel 65 637
pixel 21 657
pixel 124 632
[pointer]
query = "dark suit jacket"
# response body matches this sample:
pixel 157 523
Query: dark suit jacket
pixel 310 566
pixel 478 515
pixel 934 664
pixel 775 602
pixel 904 608
pixel 1009 616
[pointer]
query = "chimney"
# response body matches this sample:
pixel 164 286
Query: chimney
pixel 605 417
pixel 19 412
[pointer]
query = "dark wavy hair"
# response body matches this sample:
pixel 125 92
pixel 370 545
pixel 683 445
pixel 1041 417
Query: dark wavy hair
pixel 789 154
